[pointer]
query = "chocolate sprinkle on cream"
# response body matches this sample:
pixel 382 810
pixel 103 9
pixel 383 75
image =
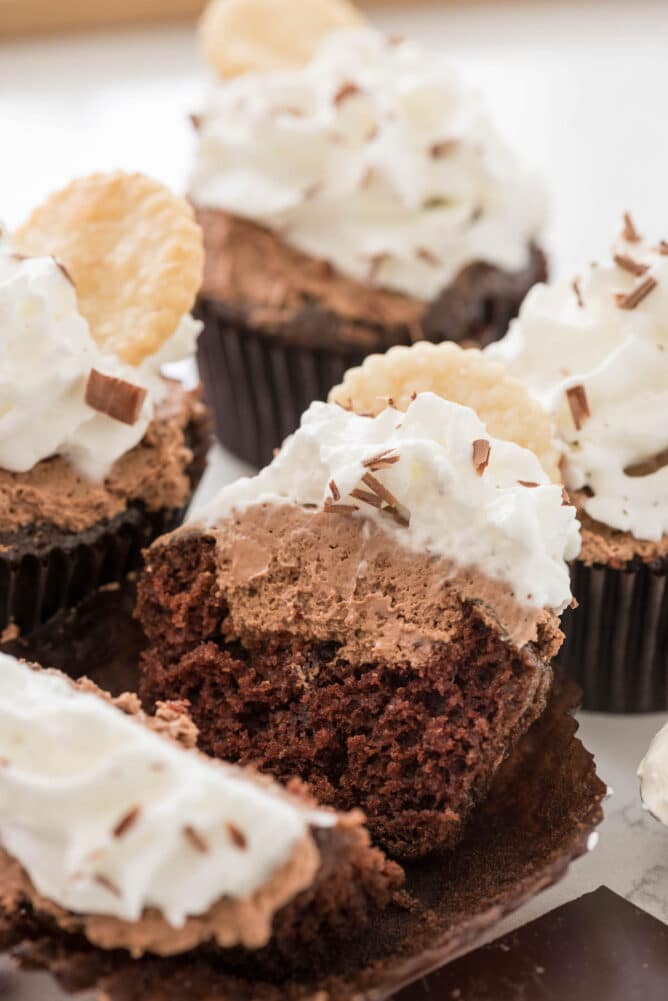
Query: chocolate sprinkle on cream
pixel 527 483
pixel 197 840
pixel 340 508
pixel 366 496
pixel 237 837
pixel 441 149
pixel 428 257
pixel 481 452
pixel 380 489
pixel 345 91
pixel 628 264
pixel 629 300
pixel 104 881
pixel 579 405
pixel 126 822
pixel 630 233
pixel 114 397
pixel 334 490
pixel 386 458
pixel 575 285
pixel 663 247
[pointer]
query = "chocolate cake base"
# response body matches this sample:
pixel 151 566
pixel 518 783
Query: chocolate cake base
pixel 45 569
pixel 414 748
pixel 281 328
pixel 545 802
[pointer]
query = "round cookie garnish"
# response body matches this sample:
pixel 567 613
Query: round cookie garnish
pixel 242 36
pixel 134 253
pixel 464 376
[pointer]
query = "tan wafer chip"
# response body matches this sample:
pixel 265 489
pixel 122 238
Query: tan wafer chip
pixel 242 36
pixel 464 376
pixel 133 251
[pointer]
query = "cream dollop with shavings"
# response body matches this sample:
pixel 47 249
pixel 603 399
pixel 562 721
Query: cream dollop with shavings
pixel 597 360
pixel 506 518
pixel 374 157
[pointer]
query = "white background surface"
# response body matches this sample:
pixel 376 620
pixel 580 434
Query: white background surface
pixel 580 88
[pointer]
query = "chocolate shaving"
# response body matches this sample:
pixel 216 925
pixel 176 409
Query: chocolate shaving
pixel 413 395
pixel 575 285
pixel 375 264
pixel 481 452
pixel 367 497
pixel 63 270
pixel 126 822
pixel 334 490
pixel 385 458
pixel 527 483
pixel 374 484
pixel 114 397
pixel 577 401
pixel 104 881
pixel 444 148
pixel 197 840
pixel 628 264
pixel 663 247
pixel 312 191
pixel 646 467
pixel 345 91
pixel 398 513
pixel 196 121
pixel 630 233
pixel 238 837
pixel 565 499
pixel 428 257
pixel 340 508
pixel 629 300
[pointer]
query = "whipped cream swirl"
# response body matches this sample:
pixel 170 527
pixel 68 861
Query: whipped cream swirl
pixel 46 357
pixel 507 519
pixel 570 335
pixel 374 157
pixel 109 817
pixel 653 774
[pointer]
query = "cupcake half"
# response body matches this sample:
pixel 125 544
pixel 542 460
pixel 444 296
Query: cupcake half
pixel 115 833
pixel 375 612
pixel 594 351
pixel 350 202
pixel 99 452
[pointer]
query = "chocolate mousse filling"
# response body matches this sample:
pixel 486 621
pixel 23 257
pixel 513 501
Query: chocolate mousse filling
pixel 386 679
pixel 62 536
pixel 281 327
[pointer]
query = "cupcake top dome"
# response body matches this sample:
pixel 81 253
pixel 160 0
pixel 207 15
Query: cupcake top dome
pixel 371 155
pixel 95 295
pixel 594 351
pixel 435 482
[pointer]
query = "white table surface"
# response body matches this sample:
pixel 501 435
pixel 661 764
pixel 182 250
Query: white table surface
pixel 580 88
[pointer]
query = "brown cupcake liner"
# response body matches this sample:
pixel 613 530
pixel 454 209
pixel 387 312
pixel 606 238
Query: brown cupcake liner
pixel 44 570
pixel 545 802
pixel 616 645
pixel 257 384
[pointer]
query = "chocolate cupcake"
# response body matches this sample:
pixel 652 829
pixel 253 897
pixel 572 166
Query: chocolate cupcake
pixel 350 202
pixel 594 352
pixel 143 846
pixel 375 612
pixel 99 452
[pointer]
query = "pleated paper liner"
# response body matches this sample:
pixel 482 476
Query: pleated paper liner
pixel 616 645
pixel 543 807
pixel 258 384
pixel 45 570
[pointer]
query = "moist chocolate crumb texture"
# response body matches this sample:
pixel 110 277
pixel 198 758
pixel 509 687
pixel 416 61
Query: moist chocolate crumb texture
pixel 595 354
pixel 114 830
pixel 375 613
pixel 356 201
pixel 98 453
